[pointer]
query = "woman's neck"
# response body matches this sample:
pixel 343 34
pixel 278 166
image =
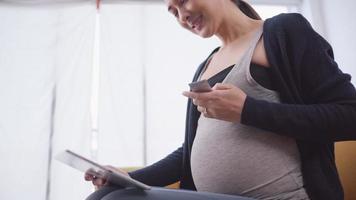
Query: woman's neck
pixel 236 26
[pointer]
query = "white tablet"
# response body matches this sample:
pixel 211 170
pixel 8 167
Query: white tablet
pixel 85 165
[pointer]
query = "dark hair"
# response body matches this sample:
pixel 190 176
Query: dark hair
pixel 247 9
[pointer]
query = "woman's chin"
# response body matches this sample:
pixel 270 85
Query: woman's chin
pixel 204 34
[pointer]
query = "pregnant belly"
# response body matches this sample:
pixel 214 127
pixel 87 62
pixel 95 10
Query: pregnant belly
pixel 236 159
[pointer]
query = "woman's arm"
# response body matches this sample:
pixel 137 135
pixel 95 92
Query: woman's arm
pixel 328 112
pixel 163 172
pixel 318 122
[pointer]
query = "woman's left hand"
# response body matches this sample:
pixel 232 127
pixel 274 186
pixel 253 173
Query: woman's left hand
pixel 224 102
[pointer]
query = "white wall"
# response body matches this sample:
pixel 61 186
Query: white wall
pixel 45 68
pixel 340 29
pixel 335 20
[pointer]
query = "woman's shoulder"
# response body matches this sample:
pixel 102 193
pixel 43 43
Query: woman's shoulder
pixel 291 23
pixel 292 30
pixel 288 17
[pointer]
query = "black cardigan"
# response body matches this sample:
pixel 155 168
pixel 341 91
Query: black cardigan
pixel 318 108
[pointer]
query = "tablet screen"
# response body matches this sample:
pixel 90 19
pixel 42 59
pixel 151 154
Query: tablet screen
pixel 78 162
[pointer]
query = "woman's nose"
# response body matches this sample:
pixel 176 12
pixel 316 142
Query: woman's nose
pixel 185 17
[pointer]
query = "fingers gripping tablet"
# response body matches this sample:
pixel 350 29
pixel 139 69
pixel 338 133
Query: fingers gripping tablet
pixel 87 166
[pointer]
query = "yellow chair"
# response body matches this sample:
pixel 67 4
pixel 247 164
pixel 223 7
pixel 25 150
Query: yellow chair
pixel 345 153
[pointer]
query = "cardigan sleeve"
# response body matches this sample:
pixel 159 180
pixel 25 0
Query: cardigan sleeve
pixel 326 110
pixel 162 173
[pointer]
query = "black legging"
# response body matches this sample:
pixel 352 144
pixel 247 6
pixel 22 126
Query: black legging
pixel 157 193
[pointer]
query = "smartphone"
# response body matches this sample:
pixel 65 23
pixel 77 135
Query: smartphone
pixel 200 86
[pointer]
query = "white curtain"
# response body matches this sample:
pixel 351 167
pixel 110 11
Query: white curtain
pixel 26 96
pixel 45 71
pixel 121 115
pixel 72 125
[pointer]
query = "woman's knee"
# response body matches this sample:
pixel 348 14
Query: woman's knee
pixel 102 192
pixel 127 194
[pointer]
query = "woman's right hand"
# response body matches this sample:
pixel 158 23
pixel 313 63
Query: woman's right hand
pixel 99 180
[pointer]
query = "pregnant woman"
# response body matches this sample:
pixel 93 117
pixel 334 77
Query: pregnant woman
pixel 267 129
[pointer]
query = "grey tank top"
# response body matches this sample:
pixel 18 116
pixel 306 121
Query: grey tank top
pixel 232 158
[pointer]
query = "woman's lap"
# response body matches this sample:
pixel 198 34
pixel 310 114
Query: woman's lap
pixel 99 194
pixel 156 193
